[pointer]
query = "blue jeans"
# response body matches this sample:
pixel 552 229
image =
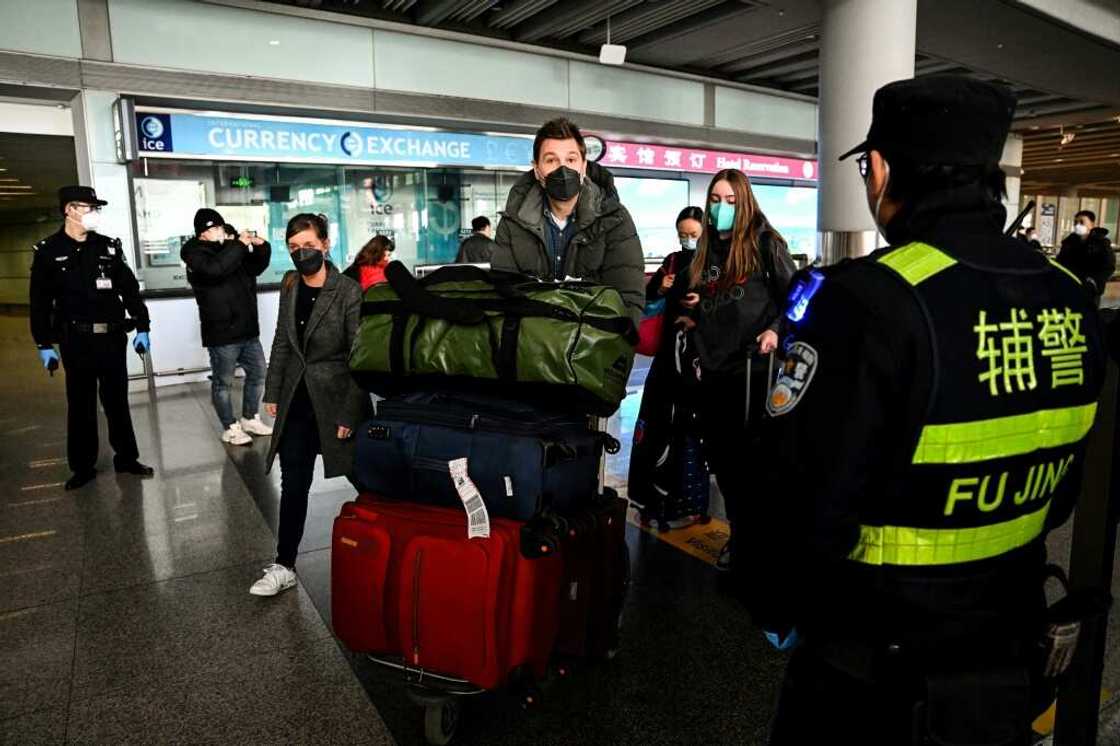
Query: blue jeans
pixel 223 360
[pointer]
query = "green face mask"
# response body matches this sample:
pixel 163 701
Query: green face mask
pixel 723 216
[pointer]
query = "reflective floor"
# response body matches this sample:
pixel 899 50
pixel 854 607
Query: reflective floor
pixel 125 616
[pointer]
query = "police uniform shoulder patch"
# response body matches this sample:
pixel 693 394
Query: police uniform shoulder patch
pixel 793 379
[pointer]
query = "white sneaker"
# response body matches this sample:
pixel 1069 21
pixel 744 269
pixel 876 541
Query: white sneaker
pixel 235 436
pixel 276 578
pixel 255 426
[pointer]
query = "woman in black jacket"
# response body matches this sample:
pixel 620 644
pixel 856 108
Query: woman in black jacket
pixel 733 294
pixel 654 473
pixel 309 389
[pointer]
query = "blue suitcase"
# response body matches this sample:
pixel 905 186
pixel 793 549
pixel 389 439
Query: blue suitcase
pixel 522 459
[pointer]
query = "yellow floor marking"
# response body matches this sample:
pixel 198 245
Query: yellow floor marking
pixel 25 537
pixel 1044 723
pixel 702 541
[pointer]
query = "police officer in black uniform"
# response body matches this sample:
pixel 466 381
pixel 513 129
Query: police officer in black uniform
pixel 930 418
pixel 80 291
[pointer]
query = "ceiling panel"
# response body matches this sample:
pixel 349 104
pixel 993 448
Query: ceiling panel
pixel 776 43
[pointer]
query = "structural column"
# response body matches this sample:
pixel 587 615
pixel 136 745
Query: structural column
pixel 865 44
pixel 1012 164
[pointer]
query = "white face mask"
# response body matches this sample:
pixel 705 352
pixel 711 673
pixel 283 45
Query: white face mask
pixel 91 221
pixel 688 243
pixel 879 199
pixel 1081 229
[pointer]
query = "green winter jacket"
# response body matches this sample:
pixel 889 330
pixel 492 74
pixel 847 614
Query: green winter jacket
pixel 604 250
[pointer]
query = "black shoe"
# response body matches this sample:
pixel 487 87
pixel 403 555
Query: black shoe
pixel 80 479
pixel 134 467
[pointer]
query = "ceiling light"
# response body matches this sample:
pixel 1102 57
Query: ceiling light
pixel 611 54
pixel 274 42
pixel 15 186
pixel 1058 160
pixel 1068 137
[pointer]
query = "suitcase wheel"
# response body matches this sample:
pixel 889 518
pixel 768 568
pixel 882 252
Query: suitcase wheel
pixel 440 722
pixel 530 697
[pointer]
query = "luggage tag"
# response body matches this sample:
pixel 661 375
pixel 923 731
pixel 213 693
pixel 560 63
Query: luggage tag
pixel 478 519
pixel 104 283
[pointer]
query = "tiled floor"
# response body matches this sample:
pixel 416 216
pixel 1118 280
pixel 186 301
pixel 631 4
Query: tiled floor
pixel 124 615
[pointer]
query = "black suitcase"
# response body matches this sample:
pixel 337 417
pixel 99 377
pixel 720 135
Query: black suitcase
pixel 522 459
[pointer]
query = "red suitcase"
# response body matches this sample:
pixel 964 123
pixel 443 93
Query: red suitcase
pixel 407 583
pixel 596 580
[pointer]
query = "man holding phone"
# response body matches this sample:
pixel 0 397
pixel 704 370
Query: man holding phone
pixel 222 268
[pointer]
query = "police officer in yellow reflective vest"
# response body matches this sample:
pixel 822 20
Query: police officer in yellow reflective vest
pixel 930 416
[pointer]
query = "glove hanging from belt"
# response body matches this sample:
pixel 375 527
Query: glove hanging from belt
pixel 1064 620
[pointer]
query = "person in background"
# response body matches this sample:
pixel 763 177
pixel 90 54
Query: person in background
pixel 478 247
pixel 563 219
pixel 368 268
pixel 733 293
pixel 309 389
pixel 223 273
pixel 690 226
pixel 81 290
pixel 1087 252
pixel 1030 235
pixel 664 405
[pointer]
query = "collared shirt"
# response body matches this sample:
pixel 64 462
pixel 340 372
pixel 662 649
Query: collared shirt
pixel 557 237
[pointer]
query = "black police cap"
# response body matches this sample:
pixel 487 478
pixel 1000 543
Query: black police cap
pixel 205 219
pixel 76 193
pixel 948 120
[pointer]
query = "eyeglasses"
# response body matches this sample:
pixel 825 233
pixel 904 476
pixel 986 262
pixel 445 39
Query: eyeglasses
pixel 862 163
pixel 87 208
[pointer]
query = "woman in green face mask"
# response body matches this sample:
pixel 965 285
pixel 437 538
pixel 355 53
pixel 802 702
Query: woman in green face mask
pixel 737 285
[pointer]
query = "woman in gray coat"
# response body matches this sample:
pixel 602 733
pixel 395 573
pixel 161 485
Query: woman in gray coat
pixel 309 389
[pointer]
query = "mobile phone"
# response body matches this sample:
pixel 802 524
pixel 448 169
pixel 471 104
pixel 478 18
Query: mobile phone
pixel 253 234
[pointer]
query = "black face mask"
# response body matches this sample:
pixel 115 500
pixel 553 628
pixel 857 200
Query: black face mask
pixel 562 184
pixel 307 261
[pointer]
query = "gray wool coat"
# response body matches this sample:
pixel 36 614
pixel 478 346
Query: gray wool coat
pixel 322 360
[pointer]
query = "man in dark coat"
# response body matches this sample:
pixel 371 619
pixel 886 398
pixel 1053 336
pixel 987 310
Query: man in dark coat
pixel 1087 252
pixel 478 248
pixel 563 219
pixel 223 273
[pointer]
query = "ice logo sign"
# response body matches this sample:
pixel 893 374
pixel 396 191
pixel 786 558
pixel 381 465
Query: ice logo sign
pixel 351 144
pixel 154 132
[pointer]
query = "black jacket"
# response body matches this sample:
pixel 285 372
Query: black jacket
pixel 846 447
pixel 64 275
pixel 605 249
pixel 1089 258
pixel 224 279
pixel 475 249
pixel 729 321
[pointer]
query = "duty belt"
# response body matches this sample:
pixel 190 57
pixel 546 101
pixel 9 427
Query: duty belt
pixel 102 327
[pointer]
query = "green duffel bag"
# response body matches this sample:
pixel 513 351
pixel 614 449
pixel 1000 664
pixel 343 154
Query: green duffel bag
pixel 565 345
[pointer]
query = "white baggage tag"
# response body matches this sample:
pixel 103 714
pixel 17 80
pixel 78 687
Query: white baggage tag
pixel 104 283
pixel 478 519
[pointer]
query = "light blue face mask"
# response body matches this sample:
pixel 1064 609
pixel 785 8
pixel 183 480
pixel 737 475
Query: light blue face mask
pixel 723 216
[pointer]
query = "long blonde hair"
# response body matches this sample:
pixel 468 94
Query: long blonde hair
pixel 744 258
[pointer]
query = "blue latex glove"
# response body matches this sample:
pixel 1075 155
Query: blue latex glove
pixel 141 343
pixel 47 356
pixel 789 643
